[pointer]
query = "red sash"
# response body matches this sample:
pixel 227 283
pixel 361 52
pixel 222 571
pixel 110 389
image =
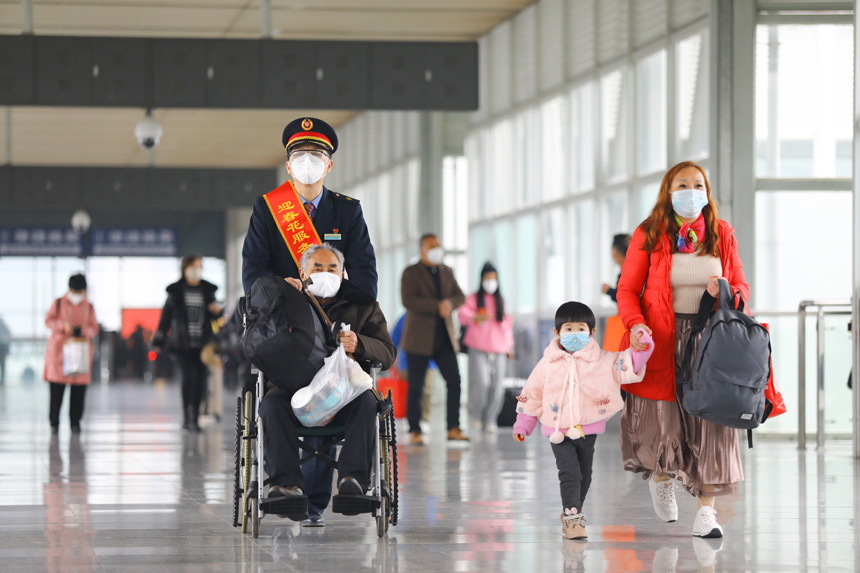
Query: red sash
pixel 292 220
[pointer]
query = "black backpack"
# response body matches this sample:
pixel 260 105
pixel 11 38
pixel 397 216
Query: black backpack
pixel 731 367
pixel 284 336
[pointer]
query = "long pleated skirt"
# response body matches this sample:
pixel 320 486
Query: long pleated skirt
pixel 659 437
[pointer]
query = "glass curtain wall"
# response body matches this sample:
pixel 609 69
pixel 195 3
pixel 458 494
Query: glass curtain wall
pixel 804 78
pixel 378 163
pixel 554 176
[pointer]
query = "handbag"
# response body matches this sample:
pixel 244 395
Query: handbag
pixel 340 381
pixel 76 357
pixel 613 334
pixel 771 391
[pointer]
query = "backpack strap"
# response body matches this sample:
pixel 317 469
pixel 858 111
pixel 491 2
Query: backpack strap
pixel 749 439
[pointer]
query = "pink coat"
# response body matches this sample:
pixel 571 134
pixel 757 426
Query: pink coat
pixel 83 315
pixel 490 336
pixel 569 389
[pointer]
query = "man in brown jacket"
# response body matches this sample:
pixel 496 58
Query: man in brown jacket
pixel 430 294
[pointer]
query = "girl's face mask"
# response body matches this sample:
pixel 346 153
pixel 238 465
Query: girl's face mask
pixel 573 341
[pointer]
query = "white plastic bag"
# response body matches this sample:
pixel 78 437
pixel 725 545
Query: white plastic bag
pixel 76 357
pixel 340 381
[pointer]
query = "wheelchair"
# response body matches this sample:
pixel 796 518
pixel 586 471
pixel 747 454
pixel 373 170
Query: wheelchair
pixel 250 504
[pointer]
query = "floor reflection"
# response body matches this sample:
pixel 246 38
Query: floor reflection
pixel 134 493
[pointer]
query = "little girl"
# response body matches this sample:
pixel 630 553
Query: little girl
pixel 573 390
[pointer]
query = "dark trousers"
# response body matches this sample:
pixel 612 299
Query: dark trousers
pixel 318 478
pixel 282 439
pixel 574 459
pixel 446 360
pixel 194 374
pixel 76 402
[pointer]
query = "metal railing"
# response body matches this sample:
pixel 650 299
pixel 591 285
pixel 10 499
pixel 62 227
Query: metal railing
pixel 825 308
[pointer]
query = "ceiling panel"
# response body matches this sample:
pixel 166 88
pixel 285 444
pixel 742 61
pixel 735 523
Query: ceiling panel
pixel 222 138
pixel 193 138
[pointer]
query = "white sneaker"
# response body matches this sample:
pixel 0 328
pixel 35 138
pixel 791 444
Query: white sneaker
pixel 663 497
pixel 665 560
pixel 705 524
pixel 706 551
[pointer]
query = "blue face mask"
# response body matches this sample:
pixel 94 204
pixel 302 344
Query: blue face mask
pixel 573 341
pixel 688 203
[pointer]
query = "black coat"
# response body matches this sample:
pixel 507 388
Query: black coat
pixel 173 325
pixel 357 308
pixel 265 252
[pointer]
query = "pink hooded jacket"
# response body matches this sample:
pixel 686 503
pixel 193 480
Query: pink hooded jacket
pixel 62 311
pixel 577 389
pixel 490 336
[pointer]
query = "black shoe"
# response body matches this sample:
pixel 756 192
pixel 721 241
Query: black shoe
pixel 76 429
pixel 314 520
pixel 55 430
pixel 349 486
pixel 279 491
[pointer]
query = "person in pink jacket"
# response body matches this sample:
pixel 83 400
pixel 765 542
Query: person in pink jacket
pixel 572 391
pixel 69 316
pixel 489 340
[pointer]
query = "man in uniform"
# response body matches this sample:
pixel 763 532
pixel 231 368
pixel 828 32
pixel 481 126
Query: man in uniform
pixel 338 219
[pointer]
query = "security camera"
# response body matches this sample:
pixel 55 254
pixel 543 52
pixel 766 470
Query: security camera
pixel 148 132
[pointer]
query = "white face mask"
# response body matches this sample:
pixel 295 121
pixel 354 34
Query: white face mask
pixel 194 274
pixel 76 298
pixel 436 255
pixel 688 203
pixel 307 168
pixel 490 285
pixel 324 285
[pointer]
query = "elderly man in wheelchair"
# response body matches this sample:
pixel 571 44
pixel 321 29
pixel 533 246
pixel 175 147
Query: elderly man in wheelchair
pixel 369 342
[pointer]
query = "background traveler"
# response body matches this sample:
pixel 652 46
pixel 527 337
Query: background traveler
pixel 70 316
pixel 430 294
pixel 489 339
pixel 185 328
pixel 620 243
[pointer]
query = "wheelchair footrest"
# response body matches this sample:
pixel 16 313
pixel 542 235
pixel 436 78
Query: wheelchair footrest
pixel 354 504
pixel 289 506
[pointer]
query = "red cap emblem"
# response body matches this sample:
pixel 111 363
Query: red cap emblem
pixel 307 125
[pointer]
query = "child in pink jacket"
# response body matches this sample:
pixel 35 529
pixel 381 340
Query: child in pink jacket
pixel 572 391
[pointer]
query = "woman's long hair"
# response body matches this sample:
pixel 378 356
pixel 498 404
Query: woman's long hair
pixel 662 217
pixel 500 302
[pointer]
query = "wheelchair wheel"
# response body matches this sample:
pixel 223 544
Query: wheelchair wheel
pixel 247 459
pixel 391 471
pixel 255 518
pixel 382 518
pixel 237 465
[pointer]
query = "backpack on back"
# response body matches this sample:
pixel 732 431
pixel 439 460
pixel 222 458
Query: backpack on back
pixel 731 366
pixel 283 337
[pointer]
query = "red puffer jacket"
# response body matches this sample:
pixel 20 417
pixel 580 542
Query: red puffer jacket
pixel 655 306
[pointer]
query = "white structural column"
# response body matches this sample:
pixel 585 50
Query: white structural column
pixel 733 24
pixel 235 228
pixel 855 184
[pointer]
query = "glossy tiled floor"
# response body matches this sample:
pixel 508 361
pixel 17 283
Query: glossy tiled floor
pixel 133 493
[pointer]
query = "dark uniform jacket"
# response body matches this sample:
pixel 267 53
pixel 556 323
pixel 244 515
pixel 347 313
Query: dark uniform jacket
pixel 418 292
pixel 265 252
pixel 357 308
pixel 172 330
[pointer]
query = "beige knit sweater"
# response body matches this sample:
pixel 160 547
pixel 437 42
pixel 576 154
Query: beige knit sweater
pixel 690 276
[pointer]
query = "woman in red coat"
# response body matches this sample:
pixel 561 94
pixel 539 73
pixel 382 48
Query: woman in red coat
pixel 72 315
pixel 676 255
